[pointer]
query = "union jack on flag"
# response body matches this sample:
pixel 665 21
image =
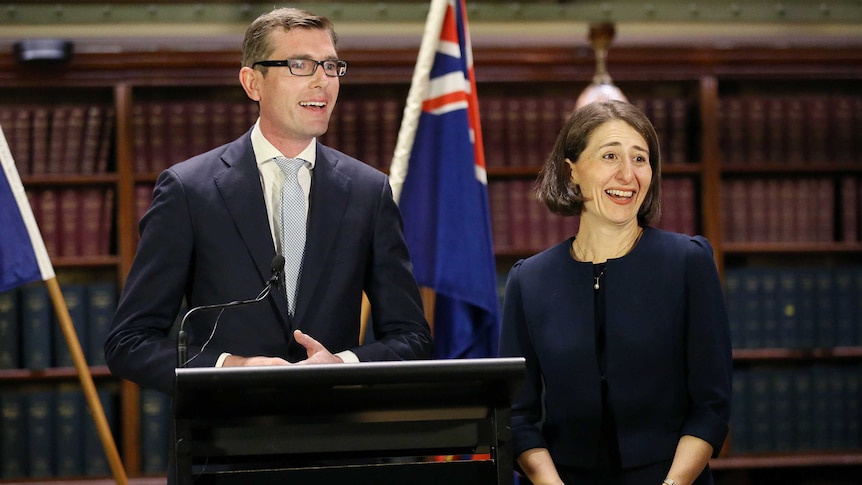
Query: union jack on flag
pixel 439 180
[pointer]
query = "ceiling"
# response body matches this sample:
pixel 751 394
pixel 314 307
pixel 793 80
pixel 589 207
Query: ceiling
pixel 181 24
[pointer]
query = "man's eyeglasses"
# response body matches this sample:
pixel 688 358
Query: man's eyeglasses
pixel 307 67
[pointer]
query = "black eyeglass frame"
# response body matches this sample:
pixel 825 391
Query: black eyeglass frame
pixel 340 66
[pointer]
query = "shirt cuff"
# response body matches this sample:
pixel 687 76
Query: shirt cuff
pixel 348 357
pixel 221 359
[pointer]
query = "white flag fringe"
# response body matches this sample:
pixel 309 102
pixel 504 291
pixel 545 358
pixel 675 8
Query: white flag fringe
pixel 418 90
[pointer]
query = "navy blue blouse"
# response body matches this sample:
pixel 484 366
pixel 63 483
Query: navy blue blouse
pixel 667 350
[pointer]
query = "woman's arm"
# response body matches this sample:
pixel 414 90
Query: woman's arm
pixel 691 457
pixel 539 467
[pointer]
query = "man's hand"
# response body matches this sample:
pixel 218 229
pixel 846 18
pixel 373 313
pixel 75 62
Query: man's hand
pixel 237 361
pixel 317 353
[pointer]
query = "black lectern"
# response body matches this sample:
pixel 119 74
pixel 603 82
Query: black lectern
pixel 366 423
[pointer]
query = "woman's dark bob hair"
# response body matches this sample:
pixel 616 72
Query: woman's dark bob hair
pixel 555 188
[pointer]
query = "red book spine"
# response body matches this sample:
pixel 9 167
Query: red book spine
pixel 200 138
pixel 157 130
pixel 773 210
pixel 794 133
pixel 178 138
pixel 788 201
pixel 91 218
pixel 498 201
pixel 348 127
pixel 849 209
pixel 731 130
pixel 370 133
pixel 493 131
pixel 22 148
pixel 141 138
pixel 531 132
pixel 755 130
pixel 243 116
pixel 106 141
pixel 70 223
pixel 106 221
pixel 551 118
pixel 658 114
pixel 518 200
pixel 825 210
pixel 40 125
pixel 56 134
pixel 514 146
pixel 90 138
pixel 843 130
pixel 47 220
pixel 670 208
pixel 219 123
pixel 818 129
pixel 390 113
pixel 678 130
pixel 687 206
pixel 776 143
pixel 757 206
pixel 739 207
pixel 74 137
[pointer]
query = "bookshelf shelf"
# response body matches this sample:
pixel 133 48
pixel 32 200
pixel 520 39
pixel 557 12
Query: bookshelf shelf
pixel 783 355
pixel 53 374
pixel 538 84
pixel 69 179
pixel 775 460
pixel 86 262
pixel 791 248
pixel 790 169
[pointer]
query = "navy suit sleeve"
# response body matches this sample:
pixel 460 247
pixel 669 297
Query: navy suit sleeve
pixel 709 358
pixel 400 329
pixel 139 345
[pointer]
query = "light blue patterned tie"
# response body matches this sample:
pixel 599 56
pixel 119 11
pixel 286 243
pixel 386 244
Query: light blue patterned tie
pixel 293 226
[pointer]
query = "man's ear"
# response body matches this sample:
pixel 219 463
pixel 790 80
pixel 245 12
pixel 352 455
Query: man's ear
pixel 249 79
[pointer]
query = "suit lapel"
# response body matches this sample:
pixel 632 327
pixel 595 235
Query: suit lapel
pixel 240 187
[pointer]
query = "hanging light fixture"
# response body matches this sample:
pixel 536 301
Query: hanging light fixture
pixel 602 88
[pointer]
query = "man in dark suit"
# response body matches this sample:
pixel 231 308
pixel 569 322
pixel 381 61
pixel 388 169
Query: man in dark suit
pixel 214 228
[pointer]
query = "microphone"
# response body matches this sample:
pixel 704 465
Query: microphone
pixel 277 266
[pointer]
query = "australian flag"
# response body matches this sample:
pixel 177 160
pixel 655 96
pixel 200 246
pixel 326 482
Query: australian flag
pixel 444 194
pixel 23 257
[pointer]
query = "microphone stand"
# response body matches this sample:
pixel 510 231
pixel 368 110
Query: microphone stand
pixel 182 339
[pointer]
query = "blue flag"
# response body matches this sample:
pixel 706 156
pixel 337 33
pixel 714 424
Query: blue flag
pixel 444 194
pixel 23 257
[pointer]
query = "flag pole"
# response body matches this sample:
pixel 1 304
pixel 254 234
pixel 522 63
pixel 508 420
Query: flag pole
pixel 86 379
pixel 410 120
pixel 418 86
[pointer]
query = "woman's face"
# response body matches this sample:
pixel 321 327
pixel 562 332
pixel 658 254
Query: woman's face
pixel 613 173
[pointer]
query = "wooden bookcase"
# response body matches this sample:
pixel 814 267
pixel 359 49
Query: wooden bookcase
pixel 702 79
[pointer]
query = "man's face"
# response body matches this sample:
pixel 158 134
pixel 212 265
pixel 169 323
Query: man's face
pixel 295 109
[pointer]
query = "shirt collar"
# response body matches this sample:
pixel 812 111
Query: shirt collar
pixel 264 151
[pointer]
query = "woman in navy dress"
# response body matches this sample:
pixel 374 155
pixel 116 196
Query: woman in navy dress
pixel 623 326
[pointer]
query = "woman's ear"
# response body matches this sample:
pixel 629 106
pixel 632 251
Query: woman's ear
pixel 572 170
